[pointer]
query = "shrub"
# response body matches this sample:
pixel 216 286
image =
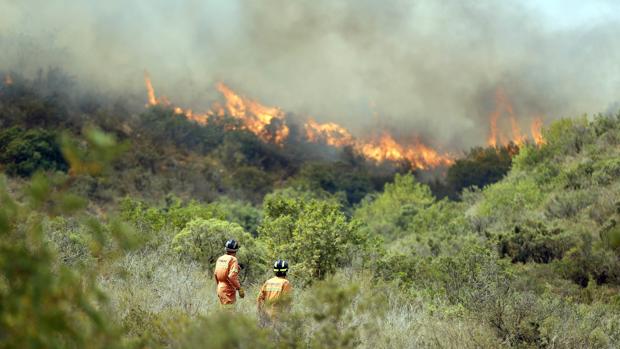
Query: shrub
pixel 175 214
pixel 567 204
pixel 510 198
pixel 480 167
pixel 43 303
pixel 222 331
pixel 314 235
pixel 533 241
pixel 588 261
pixel 390 213
pixel 203 240
pixel 25 152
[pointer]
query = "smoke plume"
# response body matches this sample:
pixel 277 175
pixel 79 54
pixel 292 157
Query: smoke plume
pixel 419 68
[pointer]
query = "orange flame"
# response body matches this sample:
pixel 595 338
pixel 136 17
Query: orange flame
pixel 496 136
pixel 256 117
pixel 329 133
pixel 152 100
pixel 381 149
pixel 536 129
pixel 8 80
pixel 517 137
pixel 269 124
pixel 492 140
pixel 387 149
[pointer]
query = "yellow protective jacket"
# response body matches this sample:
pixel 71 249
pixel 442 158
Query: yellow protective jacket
pixel 274 296
pixel 226 275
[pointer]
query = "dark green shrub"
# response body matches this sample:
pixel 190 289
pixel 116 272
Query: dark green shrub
pixel 536 242
pixel 22 152
pixel 480 167
pixel 589 261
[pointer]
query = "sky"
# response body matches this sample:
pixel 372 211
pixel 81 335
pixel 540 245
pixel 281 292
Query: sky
pixel 423 69
pixel 564 14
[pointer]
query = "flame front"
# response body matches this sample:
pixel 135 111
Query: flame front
pixel 269 124
pixel 329 133
pixel 256 117
pixel 381 149
pixel 8 80
pixel 419 155
pixel 497 136
pixel 152 100
pixel 536 128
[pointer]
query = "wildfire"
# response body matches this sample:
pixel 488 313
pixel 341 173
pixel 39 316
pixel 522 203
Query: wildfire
pixel 152 100
pixel 329 133
pixel 535 128
pixel 383 148
pixel 269 124
pixel 504 107
pixel 8 80
pixel 256 117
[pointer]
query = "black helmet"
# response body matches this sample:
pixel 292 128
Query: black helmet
pixel 280 266
pixel 232 246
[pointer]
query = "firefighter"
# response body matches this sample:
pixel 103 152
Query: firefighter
pixel 274 296
pixel 226 275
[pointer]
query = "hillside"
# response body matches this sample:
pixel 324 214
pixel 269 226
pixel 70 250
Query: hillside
pixel 112 217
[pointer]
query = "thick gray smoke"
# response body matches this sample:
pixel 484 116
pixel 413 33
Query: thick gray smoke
pixel 426 68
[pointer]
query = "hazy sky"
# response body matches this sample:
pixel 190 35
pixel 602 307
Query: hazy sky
pixel 423 68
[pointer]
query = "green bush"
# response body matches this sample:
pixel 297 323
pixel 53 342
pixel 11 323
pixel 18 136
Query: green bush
pixel 509 199
pixel 314 235
pixel 175 214
pixel 589 261
pixel 203 240
pixel 533 241
pixel 480 167
pixel 22 152
pixel 44 304
pixel 223 331
pixel 391 213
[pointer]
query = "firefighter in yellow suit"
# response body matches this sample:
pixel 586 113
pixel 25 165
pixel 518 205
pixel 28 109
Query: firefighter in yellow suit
pixel 275 295
pixel 226 275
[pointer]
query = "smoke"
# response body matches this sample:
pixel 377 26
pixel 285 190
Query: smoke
pixel 419 68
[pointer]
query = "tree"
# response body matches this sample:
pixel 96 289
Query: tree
pixel 481 167
pixel 390 213
pixel 314 235
pixel 25 152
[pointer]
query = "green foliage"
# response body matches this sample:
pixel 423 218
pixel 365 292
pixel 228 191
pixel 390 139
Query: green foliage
pixel 239 212
pixel 314 235
pixel 41 304
pixel 165 127
pixel 390 213
pixel 480 167
pixel 329 306
pixel 203 241
pixel 509 199
pixel 587 261
pixel 529 261
pixel 175 214
pixel 223 331
pixel 23 152
pixel 353 181
pixel 536 242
